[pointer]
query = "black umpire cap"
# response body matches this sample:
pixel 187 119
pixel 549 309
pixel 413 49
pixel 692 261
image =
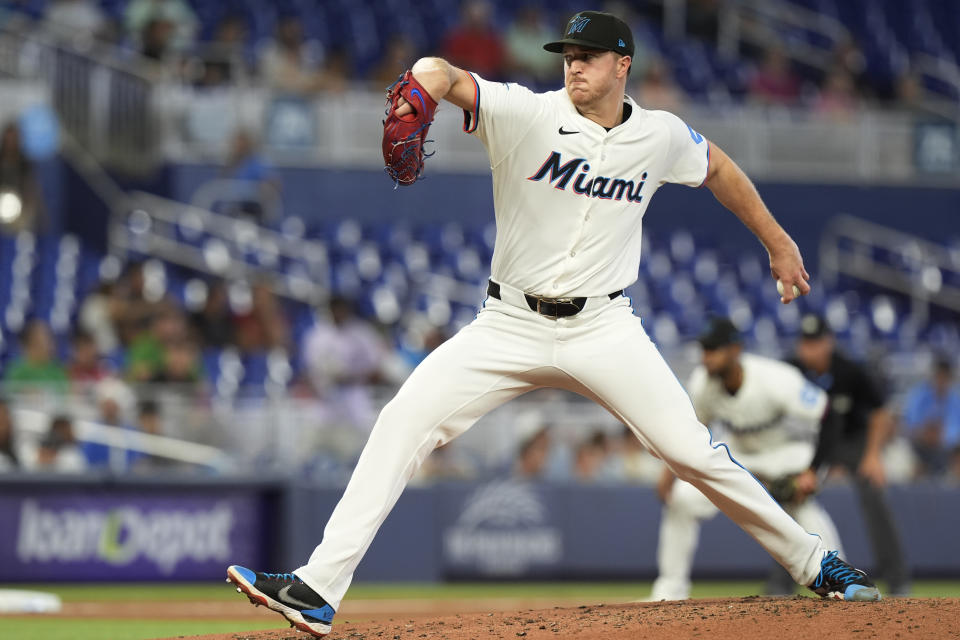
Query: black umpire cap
pixel 595 30
pixel 720 332
pixel 814 326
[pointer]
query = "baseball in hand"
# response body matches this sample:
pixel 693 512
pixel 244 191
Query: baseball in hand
pixel 796 289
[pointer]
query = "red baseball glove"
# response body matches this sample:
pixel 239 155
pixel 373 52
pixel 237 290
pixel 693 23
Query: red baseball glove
pixel 404 136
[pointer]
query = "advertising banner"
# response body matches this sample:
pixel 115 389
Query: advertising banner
pixel 153 536
pixel 501 529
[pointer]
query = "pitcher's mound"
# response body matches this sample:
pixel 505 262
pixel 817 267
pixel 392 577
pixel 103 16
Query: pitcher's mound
pixel 727 619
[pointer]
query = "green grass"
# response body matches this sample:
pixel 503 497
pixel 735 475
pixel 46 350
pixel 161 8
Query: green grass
pixel 94 629
pixel 383 591
pixel 52 628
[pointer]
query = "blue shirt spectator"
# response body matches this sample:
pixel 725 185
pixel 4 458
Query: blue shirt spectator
pixel 931 418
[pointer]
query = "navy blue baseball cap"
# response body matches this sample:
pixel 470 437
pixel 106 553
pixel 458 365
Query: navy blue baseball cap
pixel 595 30
pixel 720 332
pixel 813 326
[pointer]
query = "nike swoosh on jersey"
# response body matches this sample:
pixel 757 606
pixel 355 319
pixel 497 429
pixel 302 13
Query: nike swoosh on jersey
pixel 286 598
pixel 566 133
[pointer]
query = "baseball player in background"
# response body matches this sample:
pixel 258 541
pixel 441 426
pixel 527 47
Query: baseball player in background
pixel 573 173
pixel 769 415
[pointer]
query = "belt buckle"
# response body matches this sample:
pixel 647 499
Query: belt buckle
pixel 556 302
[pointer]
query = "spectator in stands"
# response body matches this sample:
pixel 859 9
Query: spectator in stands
pixel 59 451
pixel 114 403
pixel 18 185
pixel 590 462
pixel 252 182
pixel 223 60
pixel 181 364
pixel 931 419
pixel 38 368
pixel 343 349
pixel 636 464
pixel 838 98
pixel 541 456
pixel 526 59
pixel 177 14
pixel 264 325
pixel 213 324
pixel 129 305
pixel 85 366
pixel 147 354
pixel 910 99
pixel 656 89
pixel 848 57
pixel 8 453
pixel 150 423
pixel 775 83
pixel 336 71
pixel 475 44
pixel 289 63
pixel 149 417
pixel 343 355
pixel 398 56
pixel 98 317
pixel 534 455
pixel 156 40
pixel 79 21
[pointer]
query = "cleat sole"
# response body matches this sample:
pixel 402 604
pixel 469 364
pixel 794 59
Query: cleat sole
pixel 258 599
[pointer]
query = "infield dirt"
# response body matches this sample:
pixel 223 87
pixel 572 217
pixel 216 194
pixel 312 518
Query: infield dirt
pixel 726 619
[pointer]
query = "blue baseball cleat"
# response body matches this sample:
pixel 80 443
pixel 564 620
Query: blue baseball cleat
pixel 286 594
pixel 839 581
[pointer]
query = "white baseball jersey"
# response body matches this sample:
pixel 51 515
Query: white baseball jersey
pixel 760 423
pixel 761 419
pixel 569 195
pixel 569 198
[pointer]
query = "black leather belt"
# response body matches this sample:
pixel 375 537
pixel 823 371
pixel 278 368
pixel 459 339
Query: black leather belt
pixel 550 307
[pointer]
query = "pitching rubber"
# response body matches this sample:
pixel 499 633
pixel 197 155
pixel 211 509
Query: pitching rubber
pixel 316 629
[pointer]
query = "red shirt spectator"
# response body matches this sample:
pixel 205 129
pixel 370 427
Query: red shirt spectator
pixel 85 366
pixel 475 45
pixel 774 82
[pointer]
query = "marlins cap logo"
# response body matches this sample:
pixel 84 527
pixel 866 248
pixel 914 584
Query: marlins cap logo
pixel 577 24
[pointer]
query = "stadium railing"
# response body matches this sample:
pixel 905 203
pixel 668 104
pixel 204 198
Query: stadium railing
pixel 926 272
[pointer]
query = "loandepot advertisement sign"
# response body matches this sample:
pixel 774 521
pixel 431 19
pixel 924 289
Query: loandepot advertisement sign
pixel 143 537
pixel 502 528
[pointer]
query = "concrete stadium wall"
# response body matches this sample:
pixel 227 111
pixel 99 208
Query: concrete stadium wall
pixel 58 529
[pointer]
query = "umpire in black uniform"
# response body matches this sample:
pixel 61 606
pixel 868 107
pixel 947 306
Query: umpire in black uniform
pixel 853 438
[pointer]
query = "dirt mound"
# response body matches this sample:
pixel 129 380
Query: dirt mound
pixel 727 619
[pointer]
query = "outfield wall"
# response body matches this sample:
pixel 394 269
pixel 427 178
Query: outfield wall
pixel 111 530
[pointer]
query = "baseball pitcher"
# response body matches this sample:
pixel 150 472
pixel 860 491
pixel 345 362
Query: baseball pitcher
pixel 574 171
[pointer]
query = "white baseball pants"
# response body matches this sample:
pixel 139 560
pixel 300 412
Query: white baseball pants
pixel 680 523
pixel 602 353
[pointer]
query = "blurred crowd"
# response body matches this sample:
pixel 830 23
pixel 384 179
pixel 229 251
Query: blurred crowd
pixel 129 343
pixel 133 344
pixel 172 39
